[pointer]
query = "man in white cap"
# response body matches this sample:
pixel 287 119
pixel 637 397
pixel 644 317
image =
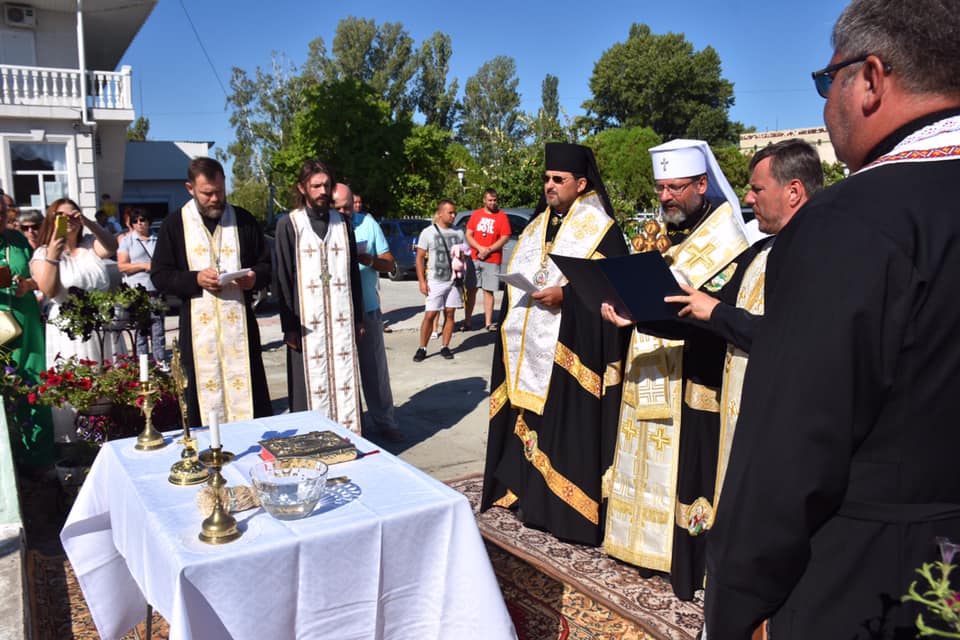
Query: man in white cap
pixel 661 485
pixel 555 385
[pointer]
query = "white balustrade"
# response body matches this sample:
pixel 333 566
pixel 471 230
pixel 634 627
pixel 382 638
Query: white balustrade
pixel 47 87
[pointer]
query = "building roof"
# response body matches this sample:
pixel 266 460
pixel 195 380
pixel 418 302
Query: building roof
pixel 161 160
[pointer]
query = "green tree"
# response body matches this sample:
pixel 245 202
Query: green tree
pixel 426 171
pixel 491 121
pixel 139 130
pixel 347 125
pixel 546 127
pixel 659 81
pixel 382 57
pixel 625 165
pixel 833 172
pixel 433 97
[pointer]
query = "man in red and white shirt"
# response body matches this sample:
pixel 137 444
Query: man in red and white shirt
pixel 487 231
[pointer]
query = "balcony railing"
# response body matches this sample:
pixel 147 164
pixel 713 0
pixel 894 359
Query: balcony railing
pixel 47 87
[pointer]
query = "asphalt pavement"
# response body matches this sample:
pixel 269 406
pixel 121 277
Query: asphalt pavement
pixel 442 406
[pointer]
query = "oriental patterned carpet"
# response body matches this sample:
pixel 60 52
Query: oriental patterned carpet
pixel 58 610
pixel 559 590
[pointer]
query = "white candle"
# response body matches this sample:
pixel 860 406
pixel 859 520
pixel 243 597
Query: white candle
pixel 144 370
pixel 214 429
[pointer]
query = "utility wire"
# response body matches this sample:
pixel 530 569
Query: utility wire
pixel 204 49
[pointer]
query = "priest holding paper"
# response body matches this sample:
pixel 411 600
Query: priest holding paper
pixel 555 385
pixel 321 301
pixel 661 486
pixel 219 337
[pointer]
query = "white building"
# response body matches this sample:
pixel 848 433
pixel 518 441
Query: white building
pixel 155 175
pixel 750 143
pixel 64 108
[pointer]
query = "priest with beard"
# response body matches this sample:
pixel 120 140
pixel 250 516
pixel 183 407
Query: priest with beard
pixel 321 301
pixel 219 336
pixel 555 385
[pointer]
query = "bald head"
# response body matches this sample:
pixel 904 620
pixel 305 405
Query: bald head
pixel 343 199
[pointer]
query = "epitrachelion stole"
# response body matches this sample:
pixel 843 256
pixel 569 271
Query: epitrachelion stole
pixel 331 371
pixel 221 362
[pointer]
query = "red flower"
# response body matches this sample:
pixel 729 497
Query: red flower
pixel 86 383
pixel 68 376
pixel 139 401
pixel 32 397
pixel 42 389
pixel 43 375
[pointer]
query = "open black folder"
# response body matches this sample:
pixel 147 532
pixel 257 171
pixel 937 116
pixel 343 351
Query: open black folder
pixel 635 284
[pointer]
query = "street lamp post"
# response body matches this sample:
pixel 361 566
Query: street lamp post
pixel 460 173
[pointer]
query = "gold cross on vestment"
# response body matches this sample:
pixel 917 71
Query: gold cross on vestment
pixel 650 394
pixel 702 254
pixel 659 439
pixel 344 354
pixel 345 388
pixel 317 356
pixel 342 319
pixel 320 390
pixel 313 286
pixel 315 322
pixel 336 250
pixel 310 251
pixel 339 284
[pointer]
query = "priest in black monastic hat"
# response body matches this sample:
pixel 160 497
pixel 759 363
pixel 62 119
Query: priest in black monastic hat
pixel 557 368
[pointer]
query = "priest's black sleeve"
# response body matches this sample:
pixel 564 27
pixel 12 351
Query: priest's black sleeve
pixel 735 325
pixel 168 267
pixel 286 276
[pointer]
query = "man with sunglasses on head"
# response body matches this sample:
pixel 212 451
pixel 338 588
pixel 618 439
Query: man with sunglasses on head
pixel 555 385
pixel 134 257
pixel 843 476
pixel 661 497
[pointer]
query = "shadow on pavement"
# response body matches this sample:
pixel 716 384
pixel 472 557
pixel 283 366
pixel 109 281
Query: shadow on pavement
pixel 436 408
pixel 399 315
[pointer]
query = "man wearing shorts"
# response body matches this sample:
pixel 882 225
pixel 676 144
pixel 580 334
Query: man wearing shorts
pixel 487 231
pixel 437 282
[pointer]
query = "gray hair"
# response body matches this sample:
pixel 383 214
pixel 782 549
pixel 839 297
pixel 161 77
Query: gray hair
pixel 793 159
pixel 918 39
pixel 30 216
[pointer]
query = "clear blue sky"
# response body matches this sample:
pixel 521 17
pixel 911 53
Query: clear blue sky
pixel 767 49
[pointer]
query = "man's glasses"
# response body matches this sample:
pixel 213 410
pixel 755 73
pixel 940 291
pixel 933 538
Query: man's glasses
pixel 823 79
pixel 555 179
pixel 29 227
pixel 141 220
pixel 674 189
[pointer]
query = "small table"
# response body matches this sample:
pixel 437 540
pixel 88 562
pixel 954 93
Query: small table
pixel 391 554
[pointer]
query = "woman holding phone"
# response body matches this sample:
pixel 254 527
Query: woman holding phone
pixel 68 258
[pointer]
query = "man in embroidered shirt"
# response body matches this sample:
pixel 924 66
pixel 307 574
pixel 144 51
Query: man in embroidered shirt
pixel 374 258
pixel 844 474
pixel 555 385
pixel 660 497
pixel 219 337
pixel 321 301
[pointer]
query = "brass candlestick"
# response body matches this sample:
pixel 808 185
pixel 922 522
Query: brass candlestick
pixel 188 471
pixel 219 527
pixel 149 439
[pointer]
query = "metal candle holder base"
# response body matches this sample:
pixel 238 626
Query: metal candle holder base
pixel 189 470
pixel 219 527
pixel 149 439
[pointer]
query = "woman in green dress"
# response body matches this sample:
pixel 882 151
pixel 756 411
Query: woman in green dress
pixel 30 426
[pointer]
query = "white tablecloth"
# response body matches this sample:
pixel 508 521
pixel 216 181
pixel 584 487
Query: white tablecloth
pixel 392 554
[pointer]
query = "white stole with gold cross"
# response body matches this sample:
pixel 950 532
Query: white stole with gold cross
pixel 331 372
pixel 218 321
pixel 641 486
pixel 531 331
pixel 749 298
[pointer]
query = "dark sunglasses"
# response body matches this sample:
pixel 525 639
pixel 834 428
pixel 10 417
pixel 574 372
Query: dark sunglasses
pixel 823 79
pixel 136 220
pixel 556 179
pixel 29 227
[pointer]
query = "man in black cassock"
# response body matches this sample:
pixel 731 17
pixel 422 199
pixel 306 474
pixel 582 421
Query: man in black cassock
pixel 843 470
pixel 555 385
pixel 321 301
pixel 219 336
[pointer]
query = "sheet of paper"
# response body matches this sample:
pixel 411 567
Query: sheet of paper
pixel 519 281
pixel 227 278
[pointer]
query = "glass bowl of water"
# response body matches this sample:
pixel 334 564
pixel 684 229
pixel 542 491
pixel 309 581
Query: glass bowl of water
pixel 289 488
